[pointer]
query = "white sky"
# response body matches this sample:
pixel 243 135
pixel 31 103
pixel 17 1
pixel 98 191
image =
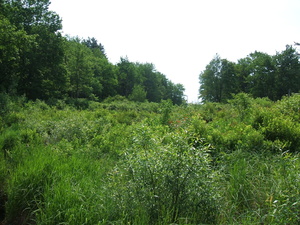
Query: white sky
pixel 180 37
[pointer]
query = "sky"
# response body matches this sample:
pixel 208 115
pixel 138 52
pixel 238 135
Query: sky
pixel 180 37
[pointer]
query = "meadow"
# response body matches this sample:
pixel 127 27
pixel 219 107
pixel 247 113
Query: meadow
pixel 123 162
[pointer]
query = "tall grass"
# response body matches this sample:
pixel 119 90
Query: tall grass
pixel 158 164
pixel 259 189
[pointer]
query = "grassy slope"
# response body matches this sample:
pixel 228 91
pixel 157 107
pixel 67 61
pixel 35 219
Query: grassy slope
pixel 126 163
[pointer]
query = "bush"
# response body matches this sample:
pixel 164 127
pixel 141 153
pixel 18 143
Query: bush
pixel 167 179
pixel 277 127
pixel 9 140
pixel 242 102
pixel 290 107
pixel 4 103
pixel 123 162
pixel 14 118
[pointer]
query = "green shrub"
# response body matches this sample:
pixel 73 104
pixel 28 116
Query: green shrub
pixel 166 109
pixel 10 103
pixel 122 162
pixel 4 104
pixel 126 117
pixel 167 179
pixel 242 102
pixel 138 94
pixel 290 107
pixel 198 126
pixel 9 140
pixel 78 103
pixel 14 118
pixel 3 178
pixel 57 103
pixel 116 98
pixel 277 127
pixel 29 137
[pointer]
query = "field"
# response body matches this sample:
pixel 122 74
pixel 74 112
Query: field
pixel 121 162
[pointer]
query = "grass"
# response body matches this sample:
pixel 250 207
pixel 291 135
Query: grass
pixel 111 164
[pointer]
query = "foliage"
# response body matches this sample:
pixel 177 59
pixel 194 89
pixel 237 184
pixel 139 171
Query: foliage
pixel 38 62
pixel 258 74
pixel 138 94
pixel 150 163
pixel 114 144
pixel 218 81
pixel 168 178
pixel 11 54
pixel 125 162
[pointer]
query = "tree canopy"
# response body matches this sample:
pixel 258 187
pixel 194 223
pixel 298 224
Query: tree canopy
pixel 37 61
pixel 40 63
pixel 258 74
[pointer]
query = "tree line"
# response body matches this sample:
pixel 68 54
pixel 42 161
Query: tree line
pixel 258 74
pixel 40 63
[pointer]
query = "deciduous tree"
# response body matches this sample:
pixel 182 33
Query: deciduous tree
pixel 287 72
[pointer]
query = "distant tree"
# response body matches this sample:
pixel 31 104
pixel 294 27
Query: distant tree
pixel 218 81
pixel 261 78
pixel 106 74
pixel 242 69
pixel 177 93
pixel 163 84
pixel 127 77
pixel 42 74
pixel 150 81
pixel 2 8
pixel 13 43
pixel 229 80
pixel 79 61
pixel 287 72
pixel 138 94
pixel 210 81
pixel 259 75
pixel 96 47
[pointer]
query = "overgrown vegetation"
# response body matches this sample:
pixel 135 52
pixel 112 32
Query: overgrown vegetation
pixel 123 162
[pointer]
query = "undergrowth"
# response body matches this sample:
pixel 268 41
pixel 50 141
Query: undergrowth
pixel 120 162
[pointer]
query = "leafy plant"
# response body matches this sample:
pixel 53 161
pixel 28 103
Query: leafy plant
pixel 168 179
pixel 166 108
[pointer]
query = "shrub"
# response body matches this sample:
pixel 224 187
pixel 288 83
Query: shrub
pixel 290 106
pixel 126 117
pixel 116 98
pixel 167 179
pixel 138 94
pixel 243 104
pixel 14 118
pixel 276 127
pixel 9 140
pixel 4 103
pixel 166 109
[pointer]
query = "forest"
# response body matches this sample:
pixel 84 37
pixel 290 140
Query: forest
pixel 84 141
pixel 258 74
pixel 38 62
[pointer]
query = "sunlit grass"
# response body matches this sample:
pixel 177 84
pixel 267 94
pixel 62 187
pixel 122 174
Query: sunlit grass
pixel 160 164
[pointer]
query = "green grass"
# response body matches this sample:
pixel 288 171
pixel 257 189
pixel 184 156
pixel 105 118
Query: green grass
pixel 144 163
